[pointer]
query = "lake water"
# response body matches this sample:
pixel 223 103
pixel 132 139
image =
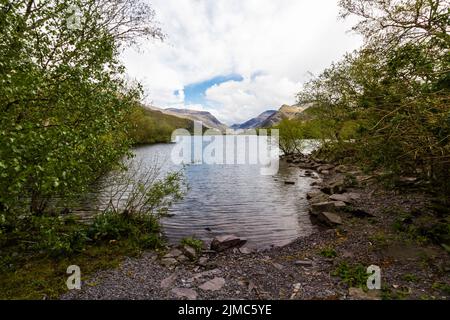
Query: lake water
pixel 235 199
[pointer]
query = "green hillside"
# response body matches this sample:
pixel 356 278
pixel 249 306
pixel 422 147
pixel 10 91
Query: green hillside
pixel 151 126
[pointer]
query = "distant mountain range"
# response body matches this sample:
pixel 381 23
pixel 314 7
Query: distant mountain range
pixel 255 122
pixel 205 117
pixel 285 112
pixel 266 119
pixel 272 118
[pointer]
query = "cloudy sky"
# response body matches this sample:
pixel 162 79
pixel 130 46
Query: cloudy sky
pixel 238 58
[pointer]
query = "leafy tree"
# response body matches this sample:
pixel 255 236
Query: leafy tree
pixel 63 97
pixel 395 90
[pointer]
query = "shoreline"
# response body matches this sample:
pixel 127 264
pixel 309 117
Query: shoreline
pixel 328 264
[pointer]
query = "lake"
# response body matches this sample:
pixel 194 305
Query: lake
pixel 235 199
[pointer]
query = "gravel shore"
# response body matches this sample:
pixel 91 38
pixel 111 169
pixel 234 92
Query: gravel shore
pixel 304 269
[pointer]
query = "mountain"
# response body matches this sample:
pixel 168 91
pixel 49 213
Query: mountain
pixel 151 125
pixel 255 122
pixel 205 117
pixel 285 112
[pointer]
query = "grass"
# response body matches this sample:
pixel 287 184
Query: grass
pixel 197 244
pixel 444 287
pixel 397 294
pixel 35 256
pixel 352 275
pixel 380 239
pixel 410 277
pixel 328 252
pixel 41 276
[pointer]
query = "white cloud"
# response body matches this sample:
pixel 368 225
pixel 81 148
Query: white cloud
pixel 282 40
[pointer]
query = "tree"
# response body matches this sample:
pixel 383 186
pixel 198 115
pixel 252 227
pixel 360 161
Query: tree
pixel 63 97
pixel 396 87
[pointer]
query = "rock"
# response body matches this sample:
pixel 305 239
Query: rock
pixel 278 266
pixel 207 273
pixel 339 204
pixel 330 219
pixel 325 167
pixel 359 294
pixel 203 261
pixel 312 194
pixel 185 293
pixel 182 258
pixel 347 254
pixel 345 197
pixel 174 253
pixel 303 263
pixel 317 208
pixel 213 285
pixel 325 172
pixel 245 250
pixel 354 195
pixel 190 252
pixel 319 198
pixel 169 262
pixel 342 169
pixel 316 196
pixel 208 229
pixel 289 182
pixel 335 185
pixel 223 243
pixel 169 281
pixel 340 197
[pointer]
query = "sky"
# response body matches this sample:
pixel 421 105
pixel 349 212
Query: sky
pixel 237 58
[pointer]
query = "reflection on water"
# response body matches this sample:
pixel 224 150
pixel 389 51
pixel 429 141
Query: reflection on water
pixel 235 199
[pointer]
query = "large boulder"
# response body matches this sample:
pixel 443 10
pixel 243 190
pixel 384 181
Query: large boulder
pixel 330 219
pixel 335 185
pixel 169 262
pixel 345 197
pixel 316 196
pixel 222 243
pixel 174 253
pixel 325 167
pixel 317 208
pixel 189 252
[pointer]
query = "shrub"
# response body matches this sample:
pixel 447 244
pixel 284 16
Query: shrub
pixel 351 275
pixel 141 229
pixel 197 244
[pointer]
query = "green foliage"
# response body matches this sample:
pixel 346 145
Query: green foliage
pixel 328 252
pixel 351 275
pixel 56 241
pixel 150 126
pixel 444 287
pixel 291 136
pixel 195 243
pixel 163 193
pixel 142 229
pixel 392 96
pixel 63 96
pixel 410 277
